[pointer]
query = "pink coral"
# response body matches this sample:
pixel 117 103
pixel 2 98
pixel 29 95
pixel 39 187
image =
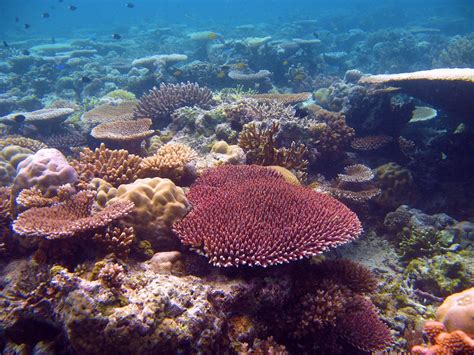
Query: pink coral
pixel 249 215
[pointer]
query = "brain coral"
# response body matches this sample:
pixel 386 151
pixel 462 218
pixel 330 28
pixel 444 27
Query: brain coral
pixel 158 202
pixel 46 170
pixel 249 215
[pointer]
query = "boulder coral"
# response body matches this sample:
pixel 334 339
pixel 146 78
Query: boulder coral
pixel 46 170
pixel 457 312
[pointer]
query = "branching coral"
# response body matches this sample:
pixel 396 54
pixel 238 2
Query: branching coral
pixel 170 161
pixel 330 302
pixel 260 147
pixel 34 197
pixel 116 239
pixel 69 218
pixel 249 215
pixel 444 342
pixel 114 166
pixel 160 103
pixel 286 99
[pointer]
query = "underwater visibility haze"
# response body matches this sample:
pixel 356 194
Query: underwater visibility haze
pixel 236 177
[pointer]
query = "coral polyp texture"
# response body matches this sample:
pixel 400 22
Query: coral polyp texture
pixel 457 312
pixel 249 215
pixel 170 161
pixel 372 142
pixel 69 218
pixel 114 166
pixel 159 103
pixel 443 342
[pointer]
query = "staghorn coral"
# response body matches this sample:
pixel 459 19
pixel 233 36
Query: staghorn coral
pixel 249 215
pixel 170 161
pixel 46 170
pixel 128 135
pixel 160 103
pixel 444 342
pixel 112 275
pixel 116 239
pixel 260 148
pixel 457 312
pixel 368 143
pixel 286 99
pixel 69 218
pixel 114 166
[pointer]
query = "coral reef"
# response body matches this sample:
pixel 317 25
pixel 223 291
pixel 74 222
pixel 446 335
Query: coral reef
pixel 159 103
pixel 252 198
pixel 457 311
pixel 115 166
pixel 170 161
pixel 69 218
pixel 46 170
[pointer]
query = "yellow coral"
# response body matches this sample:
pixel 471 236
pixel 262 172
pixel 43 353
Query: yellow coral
pixel 158 203
pixel 169 162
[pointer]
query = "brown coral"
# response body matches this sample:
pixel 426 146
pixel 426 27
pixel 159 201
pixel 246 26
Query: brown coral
pixel 24 142
pixel 332 134
pixel 5 207
pixel 370 142
pixel 248 110
pixel 356 173
pixel 34 197
pixel 260 147
pixel 116 239
pixel 114 166
pixel 69 218
pixel 110 113
pixel 124 134
pixel 285 99
pixel 170 162
pixel 161 102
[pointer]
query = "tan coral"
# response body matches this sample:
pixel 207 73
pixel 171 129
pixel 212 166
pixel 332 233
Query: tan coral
pixel 34 197
pixel 114 166
pixel 233 153
pixel 170 161
pixel 24 142
pixel 69 218
pixel 158 203
pixel 110 113
pixel 117 240
pixel 457 312
pixel 286 99
pixel 124 134
pixel 372 142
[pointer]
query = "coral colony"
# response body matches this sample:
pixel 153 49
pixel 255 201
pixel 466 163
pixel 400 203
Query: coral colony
pixel 295 189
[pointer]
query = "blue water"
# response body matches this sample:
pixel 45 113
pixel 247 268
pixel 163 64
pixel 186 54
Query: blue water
pixel 113 16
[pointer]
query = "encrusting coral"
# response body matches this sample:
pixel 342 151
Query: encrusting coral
pixel 159 103
pixel 260 147
pixel 114 166
pixel 170 161
pixel 249 215
pixel 69 218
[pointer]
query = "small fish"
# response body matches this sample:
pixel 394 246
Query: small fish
pixel 60 67
pixel 72 7
pixel 45 15
pixel 130 5
pixel 116 36
pixel 25 52
pixel 86 79
pixel 19 118
pixel 27 26
pixel 178 73
pixel 443 156
pixel 5 44
pixel 17 19
pixel 53 40
pixel 316 34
